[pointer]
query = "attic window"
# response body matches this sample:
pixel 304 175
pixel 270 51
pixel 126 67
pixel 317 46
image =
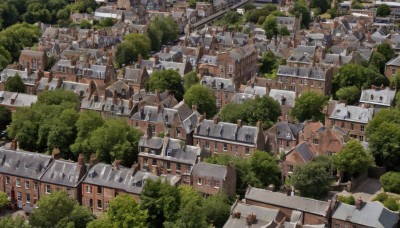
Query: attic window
pixel 288 135
pixel 372 97
pixel 380 98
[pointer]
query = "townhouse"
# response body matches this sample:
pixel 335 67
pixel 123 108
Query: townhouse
pixel 13 100
pixel 377 97
pixel 283 136
pixel 224 89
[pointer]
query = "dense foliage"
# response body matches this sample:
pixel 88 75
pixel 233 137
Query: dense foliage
pixel 347 199
pixel 203 98
pixel 5 118
pixel 163 80
pixel 391 182
pixel 190 79
pixel 309 106
pixel 129 50
pixel 350 94
pixel 264 109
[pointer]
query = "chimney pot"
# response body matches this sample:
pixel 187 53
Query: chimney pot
pixel 56 153
pixel 93 160
pixel 359 203
pixel 116 164
pixel 149 132
pixel 81 160
pixel 239 123
pixel 14 144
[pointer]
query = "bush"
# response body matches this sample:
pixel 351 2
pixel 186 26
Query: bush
pixel 347 200
pixel 381 197
pixel 391 204
pixel 391 182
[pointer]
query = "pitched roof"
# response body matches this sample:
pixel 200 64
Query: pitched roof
pixel 203 169
pixel 394 62
pixel 305 151
pixel 278 95
pixel 293 202
pixel 372 214
pixel 61 172
pixel 378 96
pixel 342 111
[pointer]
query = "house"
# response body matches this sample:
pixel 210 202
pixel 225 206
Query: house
pixel 20 174
pixel 283 136
pixel 227 138
pixel 204 9
pixel 103 182
pixel 378 97
pixel 223 88
pixel 303 79
pixel 291 23
pixel 353 119
pixel 13 100
pixel 28 77
pixel 299 155
pixel 136 78
pixel 392 67
pixel 364 214
pixel 66 176
pixel 286 101
pixel 303 56
pixel 246 215
pixel 310 211
pixel 33 60
pixel 211 179
pixel 178 120
pixel 168 155
pixel 239 64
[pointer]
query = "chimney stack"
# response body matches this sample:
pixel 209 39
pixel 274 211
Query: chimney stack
pixel 194 107
pixel 114 99
pixel 139 61
pixel 55 154
pixel 135 168
pixel 130 103
pixel 116 164
pixel 156 59
pixel 239 123
pixel 267 89
pixel 359 203
pixel 149 131
pixel 81 160
pixel 251 218
pixel 93 160
pixel 14 144
pixel 96 96
pixel 216 120
pixel 59 82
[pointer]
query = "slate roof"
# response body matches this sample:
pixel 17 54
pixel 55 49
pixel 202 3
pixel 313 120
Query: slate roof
pixel 37 54
pixel 241 97
pixel 394 62
pixel 256 90
pixel 282 200
pixel 305 151
pixel 287 130
pixel 264 216
pixel 372 214
pixel 382 97
pixel 23 164
pixel 218 83
pixel 203 169
pixel 277 95
pixel 11 73
pixel 227 131
pixel 133 74
pixel 20 99
pixel 61 172
pixel 342 111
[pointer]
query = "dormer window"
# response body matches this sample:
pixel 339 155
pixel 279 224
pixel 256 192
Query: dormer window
pixel 380 98
pixel 372 97
pixel 288 135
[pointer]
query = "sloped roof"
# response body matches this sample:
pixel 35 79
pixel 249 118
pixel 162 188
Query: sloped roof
pixel 62 172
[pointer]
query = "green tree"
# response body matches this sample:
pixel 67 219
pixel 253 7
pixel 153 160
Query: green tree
pixel 284 31
pixel 12 222
pixel 395 81
pixel 5 118
pixel 85 24
pixel 163 80
pixel 348 200
pixel 309 106
pixel 125 54
pixel 203 98
pixel 269 62
pixel 383 10
pixel 378 62
pixel 5 57
pixel 58 209
pixel 353 158
pixel 386 50
pixel 124 211
pixel 391 182
pixel 3 200
pixel 300 8
pixel 155 37
pixel 217 209
pixel 323 5
pixel 161 200
pixel 59 97
pixel 168 28
pixel 232 17
pixel 349 94
pixel 190 79
pixel 88 122
pixel 270 26
pixel 312 179
pixel 141 44
pixel 115 140
pixel 249 6
pixel 15 84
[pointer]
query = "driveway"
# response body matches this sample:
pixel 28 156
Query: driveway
pixel 367 190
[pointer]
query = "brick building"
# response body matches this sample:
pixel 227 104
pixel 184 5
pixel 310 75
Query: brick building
pixel 135 78
pixel 65 176
pixel 353 119
pixel 378 97
pixel 309 211
pixel 283 136
pixel 33 60
pixel 392 67
pixel 20 174
pixel 211 179
pixel 299 155
pixel 234 139
pixel 224 89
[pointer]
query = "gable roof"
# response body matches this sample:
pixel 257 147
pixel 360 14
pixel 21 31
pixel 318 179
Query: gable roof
pixel 342 111
pixel 61 172
pixel 378 96
pixel 203 169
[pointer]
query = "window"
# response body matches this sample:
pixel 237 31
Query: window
pixel 19 196
pixel 153 128
pixel 7 180
pixel 178 132
pixel 216 184
pixel 247 151
pixel 178 167
pixel 342 126
pixel 393 71
pixel 208 182
pixel 225 146
pixel 305 81
pixel 137 124
pixel 188 167
pixel 293 80
pixel 290 168
pixel 168 165
pixel 287 143
pixel 99 205
pixel 18 182
pixel 215 146
pixel 221 68
pixel 145 162
pixel 230 68
pixel 337 225
pixel 27 184
pixel 68 191
pixel 107 204
pixel 28 198
pixel 315 141
pixel 207 145
pixel 98 190
pixel 199 181
pixel 88 189
pixel 362 127
pixel 48 190
pixel 281 142
pixel 361 138
pixel 332 122
pixel 351 126
pixel 154 162
pixel 301 82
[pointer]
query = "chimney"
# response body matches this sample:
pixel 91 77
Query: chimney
pixel 114 99
pixel 239 123
pixel 359 203
pixel 149 131
pixel 12 100
pixel 139 59
pixel 130 103
pixel 93 160
pixel 236 214
pixel 259 125
pixel 200 118
pixel 135 168
pixel 91 87
pixel 50 77
pixel 81 160
pixel 251 218
pixel 216 120
pixel 166 49
pixel 160 108
pixel 158 97
pixel 55 154
pixel 96 96
pixel 59 82
pixel 267 89
pixel 156 59
pixel 116 164
pixel 14 144
pixel 194 107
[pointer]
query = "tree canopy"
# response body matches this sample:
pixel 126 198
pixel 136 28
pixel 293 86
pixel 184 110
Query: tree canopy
pixel 167 27
pixel 309 106
pixel 350 94
pixel 301 8
pixel 264 109
pixel 323 5
pixel 270 26
pixel 269 62
pixel 15 84
pixel 59 210
pixel 386 50
pixel 124 54
pixel 5 118
pixel 190 79
pixel 383 10
pixel 12 222
pixel 203 98
pixel 170 80
pixel 353 158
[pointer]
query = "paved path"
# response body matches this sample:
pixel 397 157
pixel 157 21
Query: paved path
pixel 367 191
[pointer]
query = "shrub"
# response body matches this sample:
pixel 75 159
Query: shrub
pixel 347 199
pixel 391 204
pixel 391 182
pixel 381 197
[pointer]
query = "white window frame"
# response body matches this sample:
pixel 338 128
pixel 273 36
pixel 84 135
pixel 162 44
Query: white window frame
pixel 7 180
pixel 48 189
pixel 88 189
pixel 18 182
pixel 27 185
pixel 199 181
